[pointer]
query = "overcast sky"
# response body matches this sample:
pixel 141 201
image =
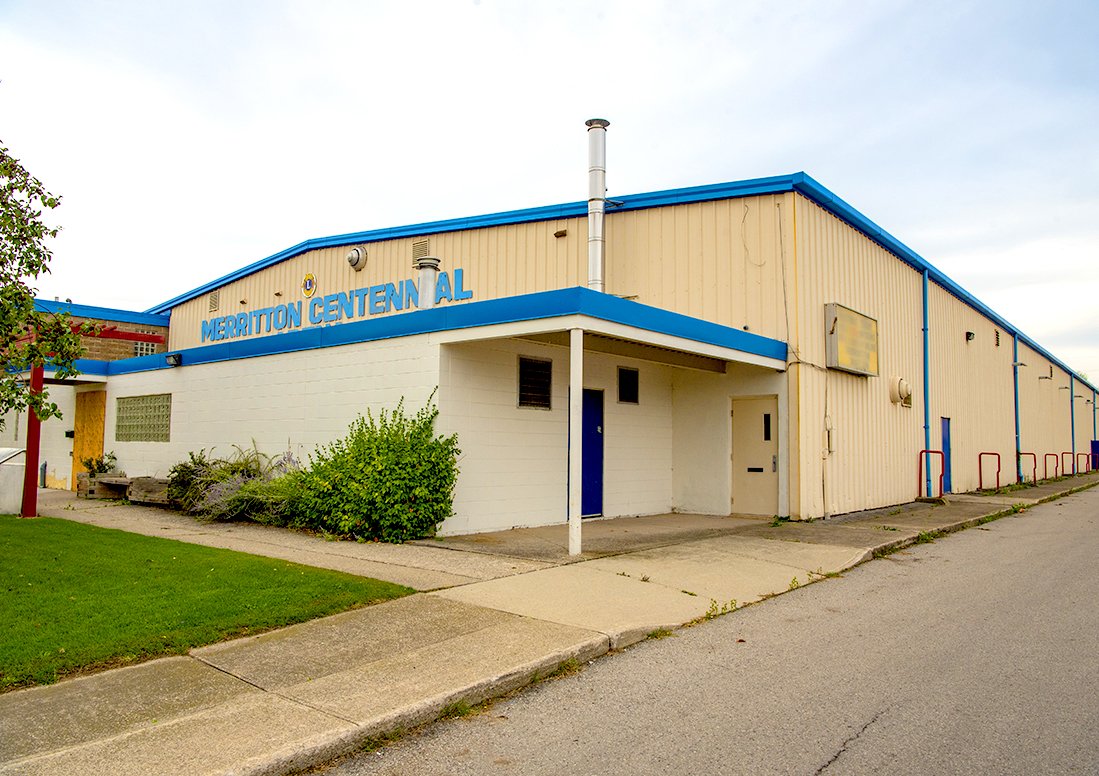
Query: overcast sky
pixel 188 139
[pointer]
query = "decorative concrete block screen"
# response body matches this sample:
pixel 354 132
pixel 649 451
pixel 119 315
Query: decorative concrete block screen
pixel 144 418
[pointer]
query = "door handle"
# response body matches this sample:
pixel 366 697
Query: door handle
pixel 774 463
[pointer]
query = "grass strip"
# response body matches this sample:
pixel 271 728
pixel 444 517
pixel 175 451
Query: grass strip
pixel 77 598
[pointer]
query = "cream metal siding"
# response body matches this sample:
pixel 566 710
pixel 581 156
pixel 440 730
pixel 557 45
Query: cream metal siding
pixel 713 260
pixel 972 384
pixel 719 261
pixel 1044 412
pixel 875 442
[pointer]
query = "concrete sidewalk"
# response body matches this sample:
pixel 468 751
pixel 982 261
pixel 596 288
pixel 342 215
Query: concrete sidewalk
pixel 296 697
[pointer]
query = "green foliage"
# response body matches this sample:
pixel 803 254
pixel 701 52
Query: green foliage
pixel 99 464
pixel 28 337
pixel 248 485
pixel 391 478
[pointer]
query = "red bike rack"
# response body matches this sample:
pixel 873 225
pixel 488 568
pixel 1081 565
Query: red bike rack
pixel 1065 469
pixel 1087 463
pixel 1045 465
pixel 1035 457
pixel 981 471
pixel 919 473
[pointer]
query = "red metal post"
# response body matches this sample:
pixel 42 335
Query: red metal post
pixel 1072 464
pixel 919 471
pixel 1045 464
pixel 980 470
pixel 1084 468
pixel 34 436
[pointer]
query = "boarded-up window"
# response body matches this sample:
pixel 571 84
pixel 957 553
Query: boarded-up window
pixel 535 383
pixel 144 418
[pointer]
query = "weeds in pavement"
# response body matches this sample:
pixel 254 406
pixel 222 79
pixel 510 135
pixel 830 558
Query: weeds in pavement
pixel 660 633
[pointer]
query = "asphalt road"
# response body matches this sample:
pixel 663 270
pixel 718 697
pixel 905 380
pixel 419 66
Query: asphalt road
pixel 978 653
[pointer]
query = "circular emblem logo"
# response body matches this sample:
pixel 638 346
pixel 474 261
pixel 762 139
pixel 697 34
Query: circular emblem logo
pixel 309 285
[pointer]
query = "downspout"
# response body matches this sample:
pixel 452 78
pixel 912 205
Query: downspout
pixel 926 384
pixel 1072 417
pixel 1015 371
pixel 597 200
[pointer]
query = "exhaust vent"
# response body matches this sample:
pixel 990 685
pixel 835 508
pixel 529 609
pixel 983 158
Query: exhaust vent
pixel 215 300
pixel 420 248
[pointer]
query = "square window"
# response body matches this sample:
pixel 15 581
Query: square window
pixel 535 382
pixel 628 391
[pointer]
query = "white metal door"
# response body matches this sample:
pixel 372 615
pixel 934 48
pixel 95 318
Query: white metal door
pixel 755 456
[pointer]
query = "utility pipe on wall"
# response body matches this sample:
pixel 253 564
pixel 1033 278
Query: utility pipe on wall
pixel 926 383
pixel 1015 371
pixel 597 200
pixel 1072 417
pixel 428 267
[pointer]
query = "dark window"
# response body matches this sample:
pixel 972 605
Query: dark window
pixel 627 385
pixel 535 382
pixel 767 427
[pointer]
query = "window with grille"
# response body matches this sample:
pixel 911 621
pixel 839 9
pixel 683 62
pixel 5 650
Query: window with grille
pixel 144 418
pixel 535 383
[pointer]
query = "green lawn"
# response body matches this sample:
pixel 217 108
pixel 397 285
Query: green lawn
pixel 75 597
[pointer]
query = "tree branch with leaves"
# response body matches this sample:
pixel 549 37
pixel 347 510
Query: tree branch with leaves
pixel 28 337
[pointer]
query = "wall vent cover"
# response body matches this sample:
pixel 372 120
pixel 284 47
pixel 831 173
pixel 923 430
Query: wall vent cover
pixel 420 248
pixel 215 300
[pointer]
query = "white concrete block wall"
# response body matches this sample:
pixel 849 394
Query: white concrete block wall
pixel 702 428
pixel 514 463
pixel 293 401
pixel 56 449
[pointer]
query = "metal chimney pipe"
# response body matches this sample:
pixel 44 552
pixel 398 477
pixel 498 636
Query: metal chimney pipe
pixel 428 267
pixel 597 200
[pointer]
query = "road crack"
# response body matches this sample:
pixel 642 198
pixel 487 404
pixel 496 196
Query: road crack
pixel 850 739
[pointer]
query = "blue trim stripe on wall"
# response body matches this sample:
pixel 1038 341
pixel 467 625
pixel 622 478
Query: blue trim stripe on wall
pixel 798 182
pixel 528 307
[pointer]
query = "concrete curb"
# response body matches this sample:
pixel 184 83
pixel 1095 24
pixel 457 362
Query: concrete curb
pixel 328 747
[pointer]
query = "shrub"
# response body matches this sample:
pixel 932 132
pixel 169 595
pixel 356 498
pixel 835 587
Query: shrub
pixel 248 485
pixel 391 478
pixel 99 464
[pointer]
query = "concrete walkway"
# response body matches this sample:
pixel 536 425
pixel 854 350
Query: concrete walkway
pixel 504 610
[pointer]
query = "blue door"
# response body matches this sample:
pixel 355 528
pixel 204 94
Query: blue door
pixel 947 487
pixel 591 484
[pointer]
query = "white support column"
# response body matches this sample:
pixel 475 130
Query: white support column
pixel 576 434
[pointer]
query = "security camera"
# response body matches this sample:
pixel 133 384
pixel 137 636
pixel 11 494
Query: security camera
pixel 356 257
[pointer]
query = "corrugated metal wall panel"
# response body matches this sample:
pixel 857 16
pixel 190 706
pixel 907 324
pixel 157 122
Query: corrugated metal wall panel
pixel 875 442
pixel 972 384
pixel 1044 412
pixel 712 260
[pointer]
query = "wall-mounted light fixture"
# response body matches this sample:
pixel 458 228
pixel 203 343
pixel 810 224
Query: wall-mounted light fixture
pixel 1018 363
pixel 1062 388
pixel 173 359
pixel 969 336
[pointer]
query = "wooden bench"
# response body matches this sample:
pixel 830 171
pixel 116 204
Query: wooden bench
pixel 108 487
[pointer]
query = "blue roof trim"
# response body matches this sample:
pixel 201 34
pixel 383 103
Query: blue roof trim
pixel 537 306
pixel 102 313
pixel 746 188
pixel 799 182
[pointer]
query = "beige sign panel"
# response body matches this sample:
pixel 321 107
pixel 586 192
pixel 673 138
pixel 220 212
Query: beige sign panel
pixel 851 340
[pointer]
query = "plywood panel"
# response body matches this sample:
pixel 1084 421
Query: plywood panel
pixel 87 429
